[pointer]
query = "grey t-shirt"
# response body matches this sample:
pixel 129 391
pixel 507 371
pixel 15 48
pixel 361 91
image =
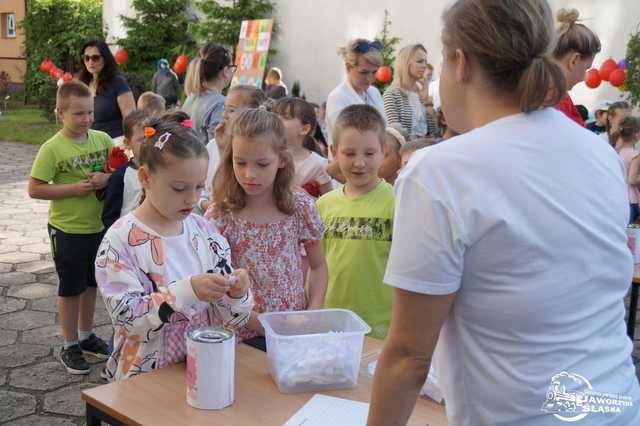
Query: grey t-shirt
pixel 206 113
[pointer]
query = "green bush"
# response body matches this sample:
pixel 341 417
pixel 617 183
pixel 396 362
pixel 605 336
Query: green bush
pixel 56 29
pixel 632 82
pixel 159 30
pixel 389 44
pixel 221 24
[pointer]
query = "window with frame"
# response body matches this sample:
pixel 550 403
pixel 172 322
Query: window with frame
pixel 8 25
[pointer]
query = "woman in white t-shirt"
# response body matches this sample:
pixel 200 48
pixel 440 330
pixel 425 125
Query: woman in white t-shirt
pixel 362 58
pixel 509 244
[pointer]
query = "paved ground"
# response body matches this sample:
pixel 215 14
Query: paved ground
pixel 34 388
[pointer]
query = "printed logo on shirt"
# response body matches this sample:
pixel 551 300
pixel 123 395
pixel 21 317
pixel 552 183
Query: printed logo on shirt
pixel 570 397
pixel 359 228
pixel 84 161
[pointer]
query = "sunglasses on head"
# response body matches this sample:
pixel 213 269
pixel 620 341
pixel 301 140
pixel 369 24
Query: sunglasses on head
pixel 92 58
pixel 364 46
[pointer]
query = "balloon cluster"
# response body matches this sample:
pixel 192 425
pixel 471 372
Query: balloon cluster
pixel 181 63
pixel 48 67
pixel 614 73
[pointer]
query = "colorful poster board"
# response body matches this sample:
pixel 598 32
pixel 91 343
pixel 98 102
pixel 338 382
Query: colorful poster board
pixel 252 51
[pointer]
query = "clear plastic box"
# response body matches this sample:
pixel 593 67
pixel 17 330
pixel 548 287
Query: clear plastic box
pixel 314 350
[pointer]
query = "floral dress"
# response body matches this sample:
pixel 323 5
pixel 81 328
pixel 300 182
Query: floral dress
pixel 271 253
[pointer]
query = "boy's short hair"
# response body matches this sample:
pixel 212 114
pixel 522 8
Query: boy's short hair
pixel 361 117
pixel 416 144
pixel 71 88
pixel 131 121
pixel 151 103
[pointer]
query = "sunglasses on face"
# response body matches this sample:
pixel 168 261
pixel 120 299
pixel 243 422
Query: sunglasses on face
pixel 364 46
pixel 91 58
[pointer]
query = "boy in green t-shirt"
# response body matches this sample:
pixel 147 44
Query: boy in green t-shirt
pixel 358 220
pixel 67 171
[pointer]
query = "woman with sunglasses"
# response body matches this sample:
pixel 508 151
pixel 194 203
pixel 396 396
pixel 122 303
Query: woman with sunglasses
pixel 362 59
pixel 113 99
pixel 207 76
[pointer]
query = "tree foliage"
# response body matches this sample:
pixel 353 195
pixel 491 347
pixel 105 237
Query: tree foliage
pixel 389 43
pixel 159 29
pixel 56 29
pixel 221 23
pixel 632 82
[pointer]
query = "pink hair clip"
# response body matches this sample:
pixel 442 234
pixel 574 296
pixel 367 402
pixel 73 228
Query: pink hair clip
pixel 187 123
pixel 163 139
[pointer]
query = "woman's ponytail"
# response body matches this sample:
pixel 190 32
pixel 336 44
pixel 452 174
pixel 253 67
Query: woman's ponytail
pixel 542 84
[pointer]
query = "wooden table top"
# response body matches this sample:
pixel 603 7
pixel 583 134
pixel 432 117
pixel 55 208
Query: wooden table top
pixel 159 397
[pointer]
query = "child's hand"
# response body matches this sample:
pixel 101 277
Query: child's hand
pixel 99 179
pixel 240 283
pixel 82 188
pixel 209 287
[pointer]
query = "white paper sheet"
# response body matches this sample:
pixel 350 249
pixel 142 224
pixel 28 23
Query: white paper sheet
pixel 322 410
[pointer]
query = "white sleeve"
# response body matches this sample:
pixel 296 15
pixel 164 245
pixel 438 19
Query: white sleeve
pixel 427 251
pixel 335 104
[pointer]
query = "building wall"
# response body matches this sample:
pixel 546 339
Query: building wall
pixel 310 33
pixel 12 58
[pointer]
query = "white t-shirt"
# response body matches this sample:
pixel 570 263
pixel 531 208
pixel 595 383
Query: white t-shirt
pixel 434 92
pixel 343 96
pixel 525 219
pixel 312 168
pixel 212 168
pixel 131 191
pixel 180 262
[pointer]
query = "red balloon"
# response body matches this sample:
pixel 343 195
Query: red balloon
pixel 121 56
pixel 607 68
pixel 592 79
pixel 67 77
pixel 617 77
pixel 179 67
pixel 384 74
pixel 46 65
pixel 182 59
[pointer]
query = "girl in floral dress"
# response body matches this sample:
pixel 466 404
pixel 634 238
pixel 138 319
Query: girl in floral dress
pixel 265 221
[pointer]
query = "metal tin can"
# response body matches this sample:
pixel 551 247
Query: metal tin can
pixel 210 368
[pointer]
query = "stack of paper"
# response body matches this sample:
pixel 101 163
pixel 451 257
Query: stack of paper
pixel 322 410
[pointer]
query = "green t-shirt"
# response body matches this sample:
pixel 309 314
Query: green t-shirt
pixel 356 242
pixel 61 160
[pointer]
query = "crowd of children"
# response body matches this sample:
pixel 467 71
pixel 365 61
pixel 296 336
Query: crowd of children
pixel 256 220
